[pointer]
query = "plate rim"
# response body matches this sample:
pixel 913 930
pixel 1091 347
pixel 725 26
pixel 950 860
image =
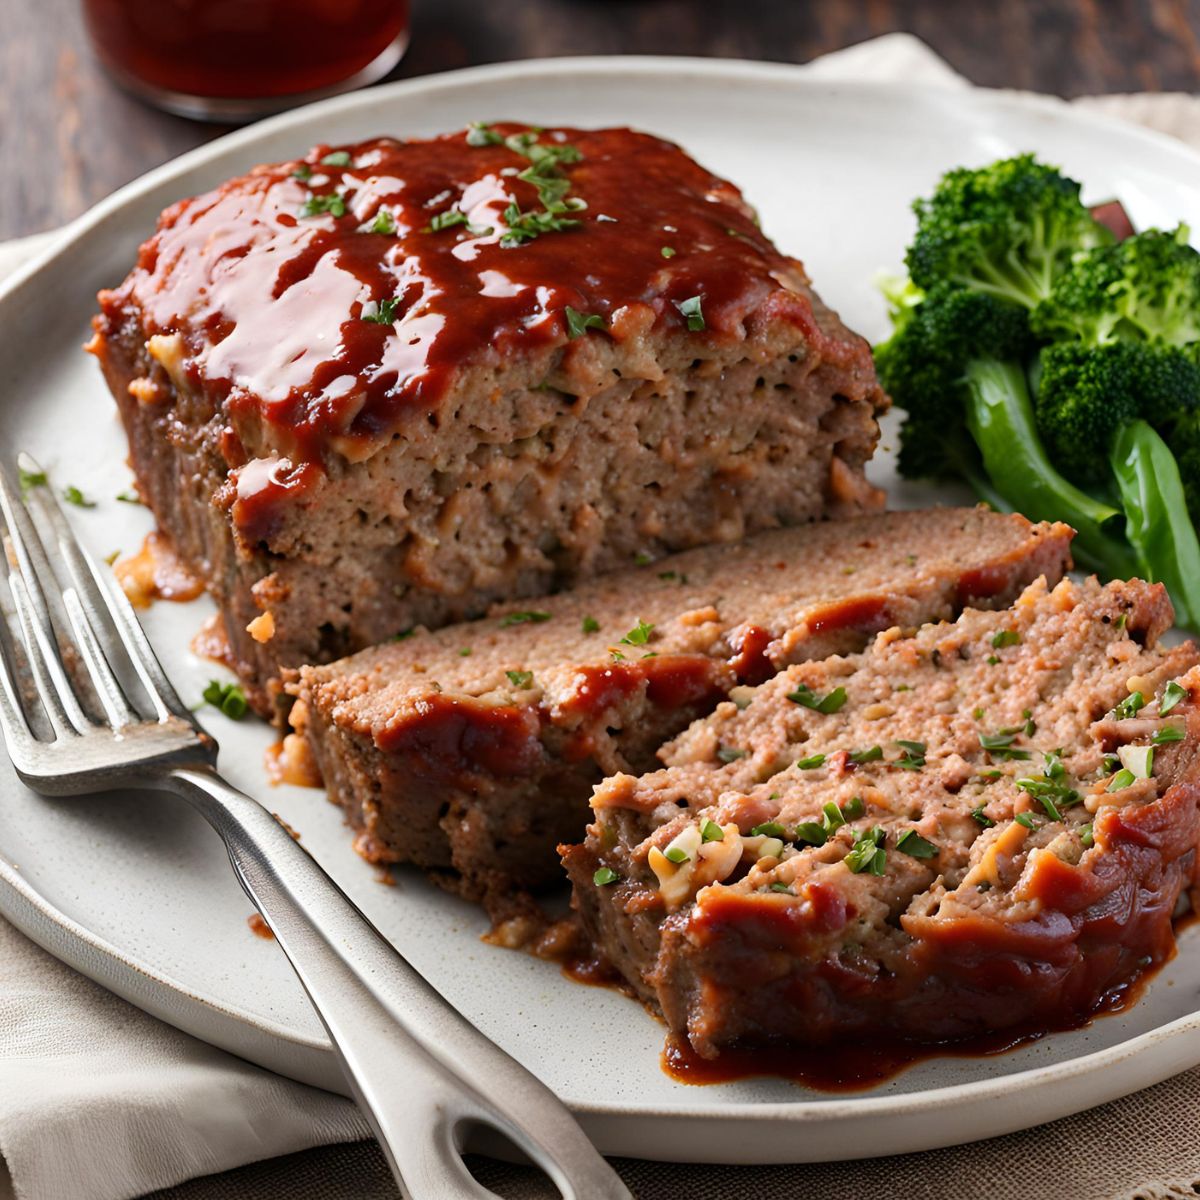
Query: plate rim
pixel 32 913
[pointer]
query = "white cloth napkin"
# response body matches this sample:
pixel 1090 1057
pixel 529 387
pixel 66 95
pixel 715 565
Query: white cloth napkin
pixel 99 1101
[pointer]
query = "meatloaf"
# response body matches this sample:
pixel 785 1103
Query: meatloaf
pixel 394 382
pixel 472 751
pixel 971 827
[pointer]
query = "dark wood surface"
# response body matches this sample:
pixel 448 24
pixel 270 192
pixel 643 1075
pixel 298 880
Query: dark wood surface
pixel 68 136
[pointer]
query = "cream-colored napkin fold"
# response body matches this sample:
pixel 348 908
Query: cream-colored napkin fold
pixel 99 1101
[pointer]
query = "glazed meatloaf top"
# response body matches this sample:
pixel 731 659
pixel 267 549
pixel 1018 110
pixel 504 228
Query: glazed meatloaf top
pixel 329 304
pixel 689 626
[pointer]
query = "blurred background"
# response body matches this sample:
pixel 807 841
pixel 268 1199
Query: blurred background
pixel 69 135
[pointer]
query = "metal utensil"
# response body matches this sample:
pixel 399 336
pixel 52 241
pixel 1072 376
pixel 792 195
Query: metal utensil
pixel 86 707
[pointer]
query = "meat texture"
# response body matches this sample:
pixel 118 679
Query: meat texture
pixel 398 381
pixel 975 826
pixel 472 751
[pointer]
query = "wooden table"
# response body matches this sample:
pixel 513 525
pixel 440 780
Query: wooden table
pixel 69 137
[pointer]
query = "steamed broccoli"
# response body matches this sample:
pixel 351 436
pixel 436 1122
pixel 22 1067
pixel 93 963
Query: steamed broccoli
pixel 1009 230
pixel 1034 354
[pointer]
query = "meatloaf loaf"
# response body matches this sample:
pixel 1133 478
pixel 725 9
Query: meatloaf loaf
pixel 971 827
pixel 397 381
pixel 473 751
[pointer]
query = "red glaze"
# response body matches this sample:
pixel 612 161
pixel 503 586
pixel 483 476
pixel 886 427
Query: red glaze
pixel 672 681
pixel 270 303
pixel 750 660
pixel 863 612
pixel 259 927
pixel 448 738
pixel 981 583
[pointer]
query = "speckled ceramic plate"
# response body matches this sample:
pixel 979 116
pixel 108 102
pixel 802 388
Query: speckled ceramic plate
pixel 137 893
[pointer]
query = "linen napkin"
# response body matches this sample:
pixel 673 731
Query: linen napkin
pixel 99 1101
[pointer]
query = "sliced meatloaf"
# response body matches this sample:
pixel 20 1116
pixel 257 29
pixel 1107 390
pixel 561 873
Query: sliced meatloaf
pixel 398 381
pixel 472 751
pixel 971 827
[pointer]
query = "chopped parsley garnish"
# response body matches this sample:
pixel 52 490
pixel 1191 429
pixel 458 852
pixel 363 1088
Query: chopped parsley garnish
pixel 1110 763
pixel 31 479
pixel 72 495
pixel 692 311
pixel 811 833
pixel 1168 733
pixel 769 829
pixel 992 660
pixel 446 220
pixel 1005 637
pixel 1000 744
pixel 667 252
pixel 710 831
pixel 525 226
pixel 1085 835
pixel 604 876
pixel 642 559
pixel 579 323
pixel 303 171
pixel 867 854
pixel 384 222
pixel 677 855
pixel 1173 693
pixel 402 635
pixel 811 762
pixel 337 158
pixel 1050 793
pixel 228 697
pixel 129 497
pixel 833 818
pixel 1026 819
pixel 1053 767
pixel 910 842
pixel 481 134
pixel 853 808
pixel 529 617
pixel 384 312
pixel 982 817
pixel 870 754
pixel 782 887
pixel 589 625
pixel 1121 780
pixel 332 204
pixel 639 635
pixel 1129 707
pixel 520 679
pixel 465 652
pixel 615 654
pixel 830 703
pixel 728 754
pixel 913 758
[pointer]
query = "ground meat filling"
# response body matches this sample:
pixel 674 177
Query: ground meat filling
pixel 981 823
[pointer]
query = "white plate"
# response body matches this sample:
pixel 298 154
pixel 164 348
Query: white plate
pixel 138 894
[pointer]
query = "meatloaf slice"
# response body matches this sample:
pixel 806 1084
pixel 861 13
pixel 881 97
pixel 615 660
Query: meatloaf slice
pixel 472 751
pixel 398 381
pixel 971 827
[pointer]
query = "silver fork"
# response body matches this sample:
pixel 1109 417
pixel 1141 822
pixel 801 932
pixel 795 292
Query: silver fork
pixel 423 1075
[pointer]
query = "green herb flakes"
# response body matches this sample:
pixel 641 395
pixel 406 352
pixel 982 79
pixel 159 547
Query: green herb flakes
pixel 913 758
pixel 383 313
pixel 728 754
pixel 1005 637
pixel 1168 733
pixel 782 887
pixel 982 817
pixel 910 842
pixel 1173 693
pixel 332 204
pixel 384 222
pixel 691 310
pixel 710 831
pixel 446 220
pixel 811 762
pixel 1121 780
pixel 830 703
pixel 1026 819
pixel 72 495
pixel 579 323
pixel 129 497
pixel 867 854
pixel 676 855
pixel 853 808
pixel 529 617
pixel 811 833
pixel 1000 744
pixel 228 697
pixel 589 625
pixel 639 635
pixel 303 172
pixel 520 679
pixel 1129 707
pixel 31 479
pixel 869 754
pixel 769 829
pixel 338 158
pixel 1085 836
pixel 667 252
pixel 604 876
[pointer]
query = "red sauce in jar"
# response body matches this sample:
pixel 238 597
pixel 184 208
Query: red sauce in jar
pixel 243 49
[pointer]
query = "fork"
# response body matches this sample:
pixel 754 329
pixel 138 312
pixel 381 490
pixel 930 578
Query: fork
pixel 106 716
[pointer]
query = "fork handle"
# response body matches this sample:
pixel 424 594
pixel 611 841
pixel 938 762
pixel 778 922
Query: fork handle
pixel 422 1074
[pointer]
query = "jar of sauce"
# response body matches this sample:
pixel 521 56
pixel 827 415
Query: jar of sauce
pixel 234 60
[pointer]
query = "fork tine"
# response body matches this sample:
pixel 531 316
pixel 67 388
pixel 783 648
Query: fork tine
pixel 41 646
pixel 18 735
pixel 96 597
pixel 108 689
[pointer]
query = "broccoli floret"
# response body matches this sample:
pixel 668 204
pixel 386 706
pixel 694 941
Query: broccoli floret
pixel 1008 229
pixel 922 366
pixel 1144 289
